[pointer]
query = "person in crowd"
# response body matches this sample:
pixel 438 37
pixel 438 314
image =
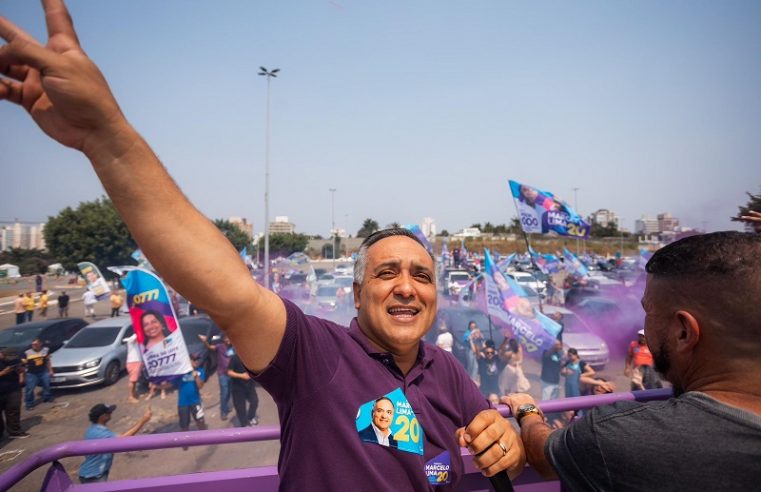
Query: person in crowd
pixel 37 372
pixel 134 367
pixel 38 283
pixel 96 467
pixel 224 351
pixel 552 359
pixel 512 379
pixel 19 308
pixel 116 303
pixel 43 304
pixel 290 353
pixel 471 338
pixel 701 325
pixel 10 397
pixel 243 389
pixel 89 300
pixel 29 306
pixel 639 363
pixel 63 304
pixel 490 365
pixel 444 340
pixel 189 403
pixel 573 370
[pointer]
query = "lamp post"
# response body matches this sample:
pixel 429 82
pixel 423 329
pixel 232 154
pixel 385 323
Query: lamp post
pixel 333 223
pixel 269 74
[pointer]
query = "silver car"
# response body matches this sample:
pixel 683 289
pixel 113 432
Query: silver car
pixel 96 354
pixel 577 334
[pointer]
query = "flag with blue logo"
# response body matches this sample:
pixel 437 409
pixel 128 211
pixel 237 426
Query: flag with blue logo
pixel 541 211
pixel 547 263
pixel 574 265
pixel 506 302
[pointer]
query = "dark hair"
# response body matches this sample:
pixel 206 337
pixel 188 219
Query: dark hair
pixel 160 317
pixel 573 351
pixel 384 398
pixel 715 254
pixel 490 343
pixel 513 345
pixel 361 263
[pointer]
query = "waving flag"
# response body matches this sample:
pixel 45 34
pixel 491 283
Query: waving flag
pixel 534 330
pixel 415 229
pixel 574 265
pixel 95 281
pixel 547 263
pixel 445 256
pixel 540 211
pixel 162 346
pixel 644 257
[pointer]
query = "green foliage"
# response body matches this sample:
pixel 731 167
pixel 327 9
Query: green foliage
pixel 444 233
pixel 234 234
pixel 754 203
pixel 599 230
pixel 93 232
pixel 285 244
pixel 368 227
pixel 393 225
pixel 28 261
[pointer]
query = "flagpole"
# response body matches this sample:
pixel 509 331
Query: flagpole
pixel 528 250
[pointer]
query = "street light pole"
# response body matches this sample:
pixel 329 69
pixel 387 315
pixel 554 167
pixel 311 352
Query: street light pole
pixel 333 223
pixel 269 74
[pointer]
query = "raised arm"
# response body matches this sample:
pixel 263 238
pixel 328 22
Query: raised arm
pixel 68 97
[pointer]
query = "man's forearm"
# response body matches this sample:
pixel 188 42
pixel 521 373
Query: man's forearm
pixel 534 434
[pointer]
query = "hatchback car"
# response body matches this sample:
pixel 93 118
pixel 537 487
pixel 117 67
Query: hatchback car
pixel 52 332
pixel 96 354
pixel 577 334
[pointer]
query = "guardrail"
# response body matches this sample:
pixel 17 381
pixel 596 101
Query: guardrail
pixel 261 478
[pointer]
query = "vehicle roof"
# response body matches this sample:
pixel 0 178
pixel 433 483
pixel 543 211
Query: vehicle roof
pixel 550 309
pixel 117 321
pixel 36 325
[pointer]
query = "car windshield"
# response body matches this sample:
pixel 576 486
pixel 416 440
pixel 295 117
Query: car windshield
pixel 526 280
pixel 459 277
pixel 94 337
pixel 18 336
pixel 572 324
pixel 327 291
pixel 345 281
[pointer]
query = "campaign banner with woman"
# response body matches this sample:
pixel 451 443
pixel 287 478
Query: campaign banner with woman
pixel 540 211
pixel 162 346
pixel 95 281
pixel 506 301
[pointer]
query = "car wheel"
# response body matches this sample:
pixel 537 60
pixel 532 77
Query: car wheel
pixel 112 372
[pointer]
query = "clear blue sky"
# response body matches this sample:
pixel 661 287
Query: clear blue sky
pixel 415 109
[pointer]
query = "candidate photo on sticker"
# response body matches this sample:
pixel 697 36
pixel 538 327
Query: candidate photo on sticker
pixel 379 430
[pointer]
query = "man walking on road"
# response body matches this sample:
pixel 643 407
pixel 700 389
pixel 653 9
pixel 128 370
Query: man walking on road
pixel 19 308
pixel 89 300
pixel 63 305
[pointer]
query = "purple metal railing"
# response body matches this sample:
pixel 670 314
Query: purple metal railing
pixel 265 477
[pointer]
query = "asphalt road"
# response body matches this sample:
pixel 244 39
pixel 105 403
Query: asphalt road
pixel 66 419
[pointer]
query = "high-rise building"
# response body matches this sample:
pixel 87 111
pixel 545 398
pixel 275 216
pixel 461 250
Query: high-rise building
pixel 37 237
pixel 646 226
pixel 282 226
pixel 605 218
pixel 667 223
pixel 428 227
pixel 244 225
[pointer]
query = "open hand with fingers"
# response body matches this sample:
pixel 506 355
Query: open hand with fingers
pixel 60 87
pixel 494 443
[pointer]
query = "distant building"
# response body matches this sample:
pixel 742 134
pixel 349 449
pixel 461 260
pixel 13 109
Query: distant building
pixel 604 218
pixel 645 226
pixel 22 236
pixel 468 232
pixel 428 226
pixel 282 226
pixel 244 225
pixel 667 223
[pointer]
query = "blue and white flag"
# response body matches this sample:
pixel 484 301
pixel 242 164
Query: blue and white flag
pixel 547 263
pixel 540 211
pixel 574 265
pixel 415 229
pixel 505 302
pixel 445 256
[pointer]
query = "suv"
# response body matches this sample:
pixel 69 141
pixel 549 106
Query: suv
pixel 52 332
pixel 96 354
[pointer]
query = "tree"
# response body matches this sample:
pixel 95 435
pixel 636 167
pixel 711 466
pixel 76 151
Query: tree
pixel 599 230
pixel 368 227
pixel 754 203
pixel 515 226
pixel 285 244
pixel 393 225
pixel 444 233
pixel 28 261
pixel 234 234
pixel 93 232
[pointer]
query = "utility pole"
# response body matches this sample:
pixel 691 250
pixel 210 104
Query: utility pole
pixel 269 74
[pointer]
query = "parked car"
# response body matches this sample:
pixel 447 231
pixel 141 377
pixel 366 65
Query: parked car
pixel 52 332
pixel 191 327
pixel 346 282
pixel 456 280
pixel 96 354
pixel 579 335
pixel 617 319
pixel 527 280
pixel 457 319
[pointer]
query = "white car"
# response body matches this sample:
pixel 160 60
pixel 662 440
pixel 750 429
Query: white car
pixel 577 334
pixel 456 281
pixel 527 280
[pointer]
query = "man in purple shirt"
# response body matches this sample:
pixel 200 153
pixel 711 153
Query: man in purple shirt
pixel 310 366
pixel 224 351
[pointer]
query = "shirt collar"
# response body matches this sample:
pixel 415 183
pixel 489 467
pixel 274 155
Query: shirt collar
pixel 424 357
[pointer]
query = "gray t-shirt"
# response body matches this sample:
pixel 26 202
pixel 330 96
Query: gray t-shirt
pixel 692 442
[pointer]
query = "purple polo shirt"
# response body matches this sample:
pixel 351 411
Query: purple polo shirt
pixel 320 377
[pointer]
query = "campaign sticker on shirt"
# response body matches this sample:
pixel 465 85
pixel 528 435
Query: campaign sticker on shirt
pixel 437 469
pixel 390 421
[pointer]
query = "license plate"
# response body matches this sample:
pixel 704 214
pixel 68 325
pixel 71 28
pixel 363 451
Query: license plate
pixel 57 379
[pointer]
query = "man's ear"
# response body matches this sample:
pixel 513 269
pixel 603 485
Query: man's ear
pixel 688 334
pixel 356 289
